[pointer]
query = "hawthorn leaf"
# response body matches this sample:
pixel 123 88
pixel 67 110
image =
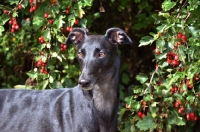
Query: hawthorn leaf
pixel 146 40
pixel 37 22
pixel 147 123
pixel 142 78
pixel 175 119
pixel 167 5
pixel 1 30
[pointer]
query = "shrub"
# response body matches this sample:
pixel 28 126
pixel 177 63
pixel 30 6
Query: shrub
pixel 33 35
pixel 168 98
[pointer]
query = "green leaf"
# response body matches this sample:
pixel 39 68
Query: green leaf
pixel 1 30
pixel 13 2
pixel 121 113
pixel 166 15
pixel 4 18
pixel 175 119
pixel 190 98
pixel 147 123
pixel 167 5
pixel 142 78
pixel 125 78
pixel 182 55
pixel 146 40
pixel 56 84
pixel 59 22
pixel 194 31
pixel 44 84
pixel 37 22
pixel 32 75
pixel 51 79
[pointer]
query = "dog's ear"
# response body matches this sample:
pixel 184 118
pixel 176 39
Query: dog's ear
pixel 117 36
pixel 77 35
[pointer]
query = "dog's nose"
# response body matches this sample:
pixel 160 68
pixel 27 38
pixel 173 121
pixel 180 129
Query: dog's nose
pixel 84 83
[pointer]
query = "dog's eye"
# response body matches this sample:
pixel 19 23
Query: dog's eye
pixel 80 54
pixel 101 54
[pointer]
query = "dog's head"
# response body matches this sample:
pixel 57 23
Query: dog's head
pixel 96 53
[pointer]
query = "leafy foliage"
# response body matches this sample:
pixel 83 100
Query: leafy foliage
pixel 169 95
pixel 36 50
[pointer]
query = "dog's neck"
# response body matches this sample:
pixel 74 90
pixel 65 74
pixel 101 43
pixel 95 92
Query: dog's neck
pixel 106 93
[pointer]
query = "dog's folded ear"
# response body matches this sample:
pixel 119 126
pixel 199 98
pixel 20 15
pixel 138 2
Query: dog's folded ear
pixel 117 36
pixel 77 35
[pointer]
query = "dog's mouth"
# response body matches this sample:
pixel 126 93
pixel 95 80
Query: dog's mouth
pixel 87 88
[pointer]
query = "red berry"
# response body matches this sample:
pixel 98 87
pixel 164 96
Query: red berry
pixel 16 27
pixel 31 10
pixel 61 49
pixel 41 70
pixel 50 21
pixel 42 53
pixel 143 115
pixel 183 37
pixel 180 110
pixel 10 22
pixel 188 117
pixel 39 63
pixel 143 103
pixel 177 104
pixel 5 11
pixel 31 1
pixel 174 63
pixel 64 46
pixel 41 39
pixel 46 15
pixel 20 6
pixel 159 34
pixel 139 113
pixel 179 35
pixel 195 118
pixel 34 8
pixel 157 51
pixel 76 22
pixel 176 57
pixel 69 29
pixel 190 86
pixel 67 11
pixel 12 30
pixel 157 66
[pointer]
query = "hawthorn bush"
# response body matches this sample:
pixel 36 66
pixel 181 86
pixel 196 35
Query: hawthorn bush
pixel 32 36
pixel 168 98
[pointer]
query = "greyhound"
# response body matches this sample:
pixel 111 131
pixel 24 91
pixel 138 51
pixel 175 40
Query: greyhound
pixel 91 106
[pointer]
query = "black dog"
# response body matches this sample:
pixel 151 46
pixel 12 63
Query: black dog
pixel 89 107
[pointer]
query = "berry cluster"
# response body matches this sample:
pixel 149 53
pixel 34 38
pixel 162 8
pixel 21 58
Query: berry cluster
pixel 14 25
pixel 41 65
pixel 33 8
pixel 69 28
pixel 189 84
pixel 173 59
pixel 174 89
pixel 141 114
pixel 63 47
pixel 182 37
pixel 191 116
